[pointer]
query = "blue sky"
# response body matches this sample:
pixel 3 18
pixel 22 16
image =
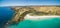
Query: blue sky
pixel 28 2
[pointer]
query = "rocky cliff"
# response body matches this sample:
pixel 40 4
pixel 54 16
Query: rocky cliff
pixel 22 11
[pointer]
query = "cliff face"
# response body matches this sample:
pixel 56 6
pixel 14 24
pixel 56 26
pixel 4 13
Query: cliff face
pixel 21 11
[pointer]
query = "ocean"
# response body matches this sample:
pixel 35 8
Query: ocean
pixel 6 14
pixel 48 23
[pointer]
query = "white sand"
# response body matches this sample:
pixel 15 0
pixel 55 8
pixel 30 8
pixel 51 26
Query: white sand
pixel 40 17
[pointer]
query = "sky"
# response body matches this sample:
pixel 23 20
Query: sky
pixel 28 2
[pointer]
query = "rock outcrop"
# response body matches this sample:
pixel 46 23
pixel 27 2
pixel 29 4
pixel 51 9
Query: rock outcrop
pixel 21 11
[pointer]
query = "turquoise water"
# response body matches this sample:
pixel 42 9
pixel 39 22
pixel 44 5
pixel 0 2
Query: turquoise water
pixel 6 14
pixel 48 23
